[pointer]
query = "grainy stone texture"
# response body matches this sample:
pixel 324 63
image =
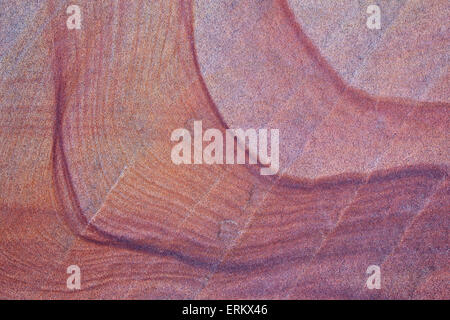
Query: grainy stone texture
pixel 86 176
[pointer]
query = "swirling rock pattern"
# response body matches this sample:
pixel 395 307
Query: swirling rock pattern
pixel 86 176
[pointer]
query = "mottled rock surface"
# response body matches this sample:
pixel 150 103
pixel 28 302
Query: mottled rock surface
pixel 86 176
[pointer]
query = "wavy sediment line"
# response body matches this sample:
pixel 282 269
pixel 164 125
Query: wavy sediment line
pixel 78 222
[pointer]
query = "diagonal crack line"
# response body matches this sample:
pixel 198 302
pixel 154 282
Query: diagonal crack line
pixel 428 199
pixel 327 237
pixel 244 229
pixel 416 216
pixel 121 175
pixel 190 211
